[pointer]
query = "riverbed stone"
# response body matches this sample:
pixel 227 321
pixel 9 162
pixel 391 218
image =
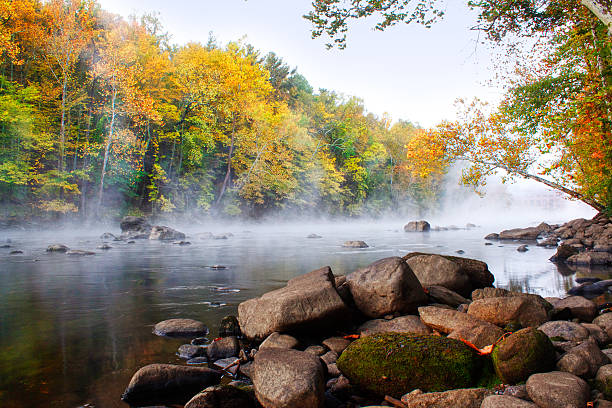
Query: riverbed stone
pixel 336 344
pixel 603 380
pixel 583 360
pixel 460 325
pixel 503 310
pixel 278 340
pixel 288 379
pixel 159 384
pixel 417 226
pixel 506 401
pixel 558 390
pixel 189 351
pixel 461 398
pixel 521 234
pixel 223 396
pixel 590 259
pixel 597 333
pixel 564 331
pixel 580 307
pixel 385 287
pixel 229 326
pixel 223 347
pixel 180 328
pixel 521 354
pixel 308 302
pixel 402 324
pixel 378 363
pixel 445 296
pixel 330 357
pixel 605 322
pixel 316 350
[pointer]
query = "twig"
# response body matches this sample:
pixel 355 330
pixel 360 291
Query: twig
pixel 394 402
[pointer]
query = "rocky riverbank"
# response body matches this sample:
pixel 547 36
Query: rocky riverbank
pixel 424 330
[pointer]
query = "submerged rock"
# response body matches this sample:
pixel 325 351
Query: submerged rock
pixel 79 252
pixel 180 328
pixel 189 351
pixel 378 363
pixel 58 248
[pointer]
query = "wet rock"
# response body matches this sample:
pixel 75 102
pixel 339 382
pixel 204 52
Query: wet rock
pixel 462 398
pixel 181 243
pixel 58 248
pixel 402 324
pixel 523 248
pixel 564 331
pixel 460 325
pixel 579 307
pixel 229 327
pixel 218 267
pixel 583 360
pixel 167 384
pixel 557 389
pixel 288 379
pixel 228 365
pixel 180 328
pixel 5 246
pixel 355 244
pixel 503 310
pixel 221 236
pixel 135 228
pixel 336 344
pixel 492 237
pixel 200 341
pixel 104 247
pixel 605 322
pixel 603 380
pixel 189 351
pixel 79 252
pixel 521 234
pixel 521 354
pixel 548 243
pixel 378 363
pixel 590 259
pixel 506 401
pixel 163 233
pixel 308 302
pixel 460 252
pixel 445 296
pixel 417 226
pixel 386 286
pixel 591 289
pixel 222 396
pixel 197 361
pixel 277 340
pixel 223 348
pixel 314 236
pixel 435 270
pixel 564 251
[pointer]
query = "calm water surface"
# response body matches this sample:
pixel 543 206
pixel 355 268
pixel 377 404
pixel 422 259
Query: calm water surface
pixel 74 329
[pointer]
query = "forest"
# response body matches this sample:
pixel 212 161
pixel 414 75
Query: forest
pixel 102 117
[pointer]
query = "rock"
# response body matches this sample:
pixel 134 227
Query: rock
pixel 603 379
pixel 135 228
pixel 223 348
pixel 485 293
pixel 200 341
pixel 104 247
pixel 417 226
pixel 564 331
pixel 521 234
pixel 462 325
pixel 548 243
pixel 229 327
pixel 222 396
pixel 386 286
pixel 597 333
pixel 167 384
pixel 445 296
pixel 517 391
pixel 218 267
pixel 505 401
pixel 314 236
pixel 277 340
pixel 308 302
pixel 16 252
pixel 605 322
pixel 583 360
pixel 564 251
pixel 189 351
pixel 336 344
pixel 460 252
pixel 160 232
pixel 579 307
pixel 557 389
pixel 435 270
pixel 221 236
pixel 180 328
pixel 79 252
pixel 329 358
pixel 521 354
pixel 492 237
pixel 315 350
pixel 288 379
pixel 402 324
pixel 181 243
pixel 590 259
pixel 355 244
pixel 379 363
pixel 462 398
pixel 600 403
pixel 523 248
pixel 503 310
pixel 58 248
pixel 333 370
pixel 229 365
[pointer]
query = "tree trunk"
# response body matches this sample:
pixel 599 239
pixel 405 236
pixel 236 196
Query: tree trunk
pixel 228 173
pixel 602 10
pixel 107 151
pixel 60 163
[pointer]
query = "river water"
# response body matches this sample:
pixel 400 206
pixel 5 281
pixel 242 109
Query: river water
pixel 74 329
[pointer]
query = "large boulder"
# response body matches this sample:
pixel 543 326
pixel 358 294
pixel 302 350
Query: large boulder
pixel 590 259
pixel 167 384
pixel 417 226
pixel 583 360
pixel 521 354
pixel 557 389
pixel 580 307
pixel 439 271
pixel 308 302
pixel 503 310
pixel 460 325
pixel 603 379
pixel 462 398
pixel 386 286
pixel 278 340
pixel 180 328
pixel 605 322
pixel 445 296
pixel 402 324
pixel 163 233
pixel 394 364
pixel 288 379
pixel 506 401
pixel 521 234
pixel 223 396
pixel 564 331
pixel 135 228
pixel 223 347
pixel 489 292
pixel 564 251
pixel 58 248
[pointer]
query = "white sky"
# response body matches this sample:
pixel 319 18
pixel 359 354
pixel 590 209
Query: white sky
pixel 411 72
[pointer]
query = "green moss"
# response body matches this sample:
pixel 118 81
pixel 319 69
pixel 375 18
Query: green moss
pixel 396 363
pixel 523 353
pixel 488 377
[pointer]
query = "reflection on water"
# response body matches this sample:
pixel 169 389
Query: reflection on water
pixel 74 330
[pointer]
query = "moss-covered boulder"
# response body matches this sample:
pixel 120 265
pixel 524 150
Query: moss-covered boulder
pixel 521 354
pixel 395 363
